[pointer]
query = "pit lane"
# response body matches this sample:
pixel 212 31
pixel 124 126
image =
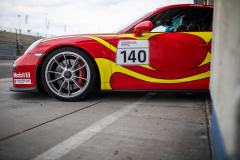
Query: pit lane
pixel 163 126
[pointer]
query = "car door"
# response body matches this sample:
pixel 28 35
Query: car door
pixel 175 55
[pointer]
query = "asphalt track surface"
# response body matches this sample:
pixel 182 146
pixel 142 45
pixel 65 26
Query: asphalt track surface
pixel 6 68
pixel 105 125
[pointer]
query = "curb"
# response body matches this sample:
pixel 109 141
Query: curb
pixel 208 103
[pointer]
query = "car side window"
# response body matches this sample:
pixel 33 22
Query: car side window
pixel 182 20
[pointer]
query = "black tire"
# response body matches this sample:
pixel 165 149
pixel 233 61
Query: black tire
pixel 69 74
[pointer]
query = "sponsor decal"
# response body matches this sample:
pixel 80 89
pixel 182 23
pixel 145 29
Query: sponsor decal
pixel 22 75
pixel 22 81
pixel 127 43
pixel 133 44
pixel 197 5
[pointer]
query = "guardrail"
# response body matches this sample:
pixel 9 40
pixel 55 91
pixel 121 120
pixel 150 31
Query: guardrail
pixel 10 51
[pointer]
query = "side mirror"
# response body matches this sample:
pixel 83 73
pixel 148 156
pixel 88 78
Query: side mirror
pixel 143 27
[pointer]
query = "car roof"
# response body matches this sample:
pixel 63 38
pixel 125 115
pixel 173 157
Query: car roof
pixel 182 5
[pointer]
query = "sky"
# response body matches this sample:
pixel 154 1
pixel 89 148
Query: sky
pixel 66 17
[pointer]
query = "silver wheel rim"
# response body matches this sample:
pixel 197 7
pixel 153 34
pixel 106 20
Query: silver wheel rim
pixel 67 74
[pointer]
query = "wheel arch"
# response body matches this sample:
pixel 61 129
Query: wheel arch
pixel 39 68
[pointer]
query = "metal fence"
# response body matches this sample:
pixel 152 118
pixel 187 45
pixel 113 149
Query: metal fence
pixel 9 37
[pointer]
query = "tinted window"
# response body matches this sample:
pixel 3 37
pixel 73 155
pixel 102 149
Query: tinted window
pixel 183 19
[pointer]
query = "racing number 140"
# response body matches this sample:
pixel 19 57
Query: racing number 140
pixel 141 56
pixel 132 52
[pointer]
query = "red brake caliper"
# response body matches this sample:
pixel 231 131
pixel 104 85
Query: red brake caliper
pixel 82 73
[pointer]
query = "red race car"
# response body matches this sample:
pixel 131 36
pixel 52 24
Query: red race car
pixel 166 50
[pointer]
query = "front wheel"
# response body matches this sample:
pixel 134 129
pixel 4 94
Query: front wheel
pixel 68 74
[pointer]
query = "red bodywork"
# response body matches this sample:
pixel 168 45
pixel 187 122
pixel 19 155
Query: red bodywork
pixel 167 66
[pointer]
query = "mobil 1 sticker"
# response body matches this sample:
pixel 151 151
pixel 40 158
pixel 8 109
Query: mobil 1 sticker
pixel 132 52
pixel 22 81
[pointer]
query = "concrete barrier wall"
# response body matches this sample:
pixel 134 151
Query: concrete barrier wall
pixel 225 79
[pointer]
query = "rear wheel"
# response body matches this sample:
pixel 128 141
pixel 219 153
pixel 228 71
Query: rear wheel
pixel 68 74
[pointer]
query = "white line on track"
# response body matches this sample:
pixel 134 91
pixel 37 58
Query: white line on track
pixel 75 141
pixel 5 78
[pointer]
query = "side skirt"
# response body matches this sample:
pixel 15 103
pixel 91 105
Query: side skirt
pixel 161 90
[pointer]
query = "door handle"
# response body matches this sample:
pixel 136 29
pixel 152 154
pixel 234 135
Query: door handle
pixel 204 45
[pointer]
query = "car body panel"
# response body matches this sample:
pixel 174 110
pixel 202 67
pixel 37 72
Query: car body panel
pixel 26 70
pixel 178 71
